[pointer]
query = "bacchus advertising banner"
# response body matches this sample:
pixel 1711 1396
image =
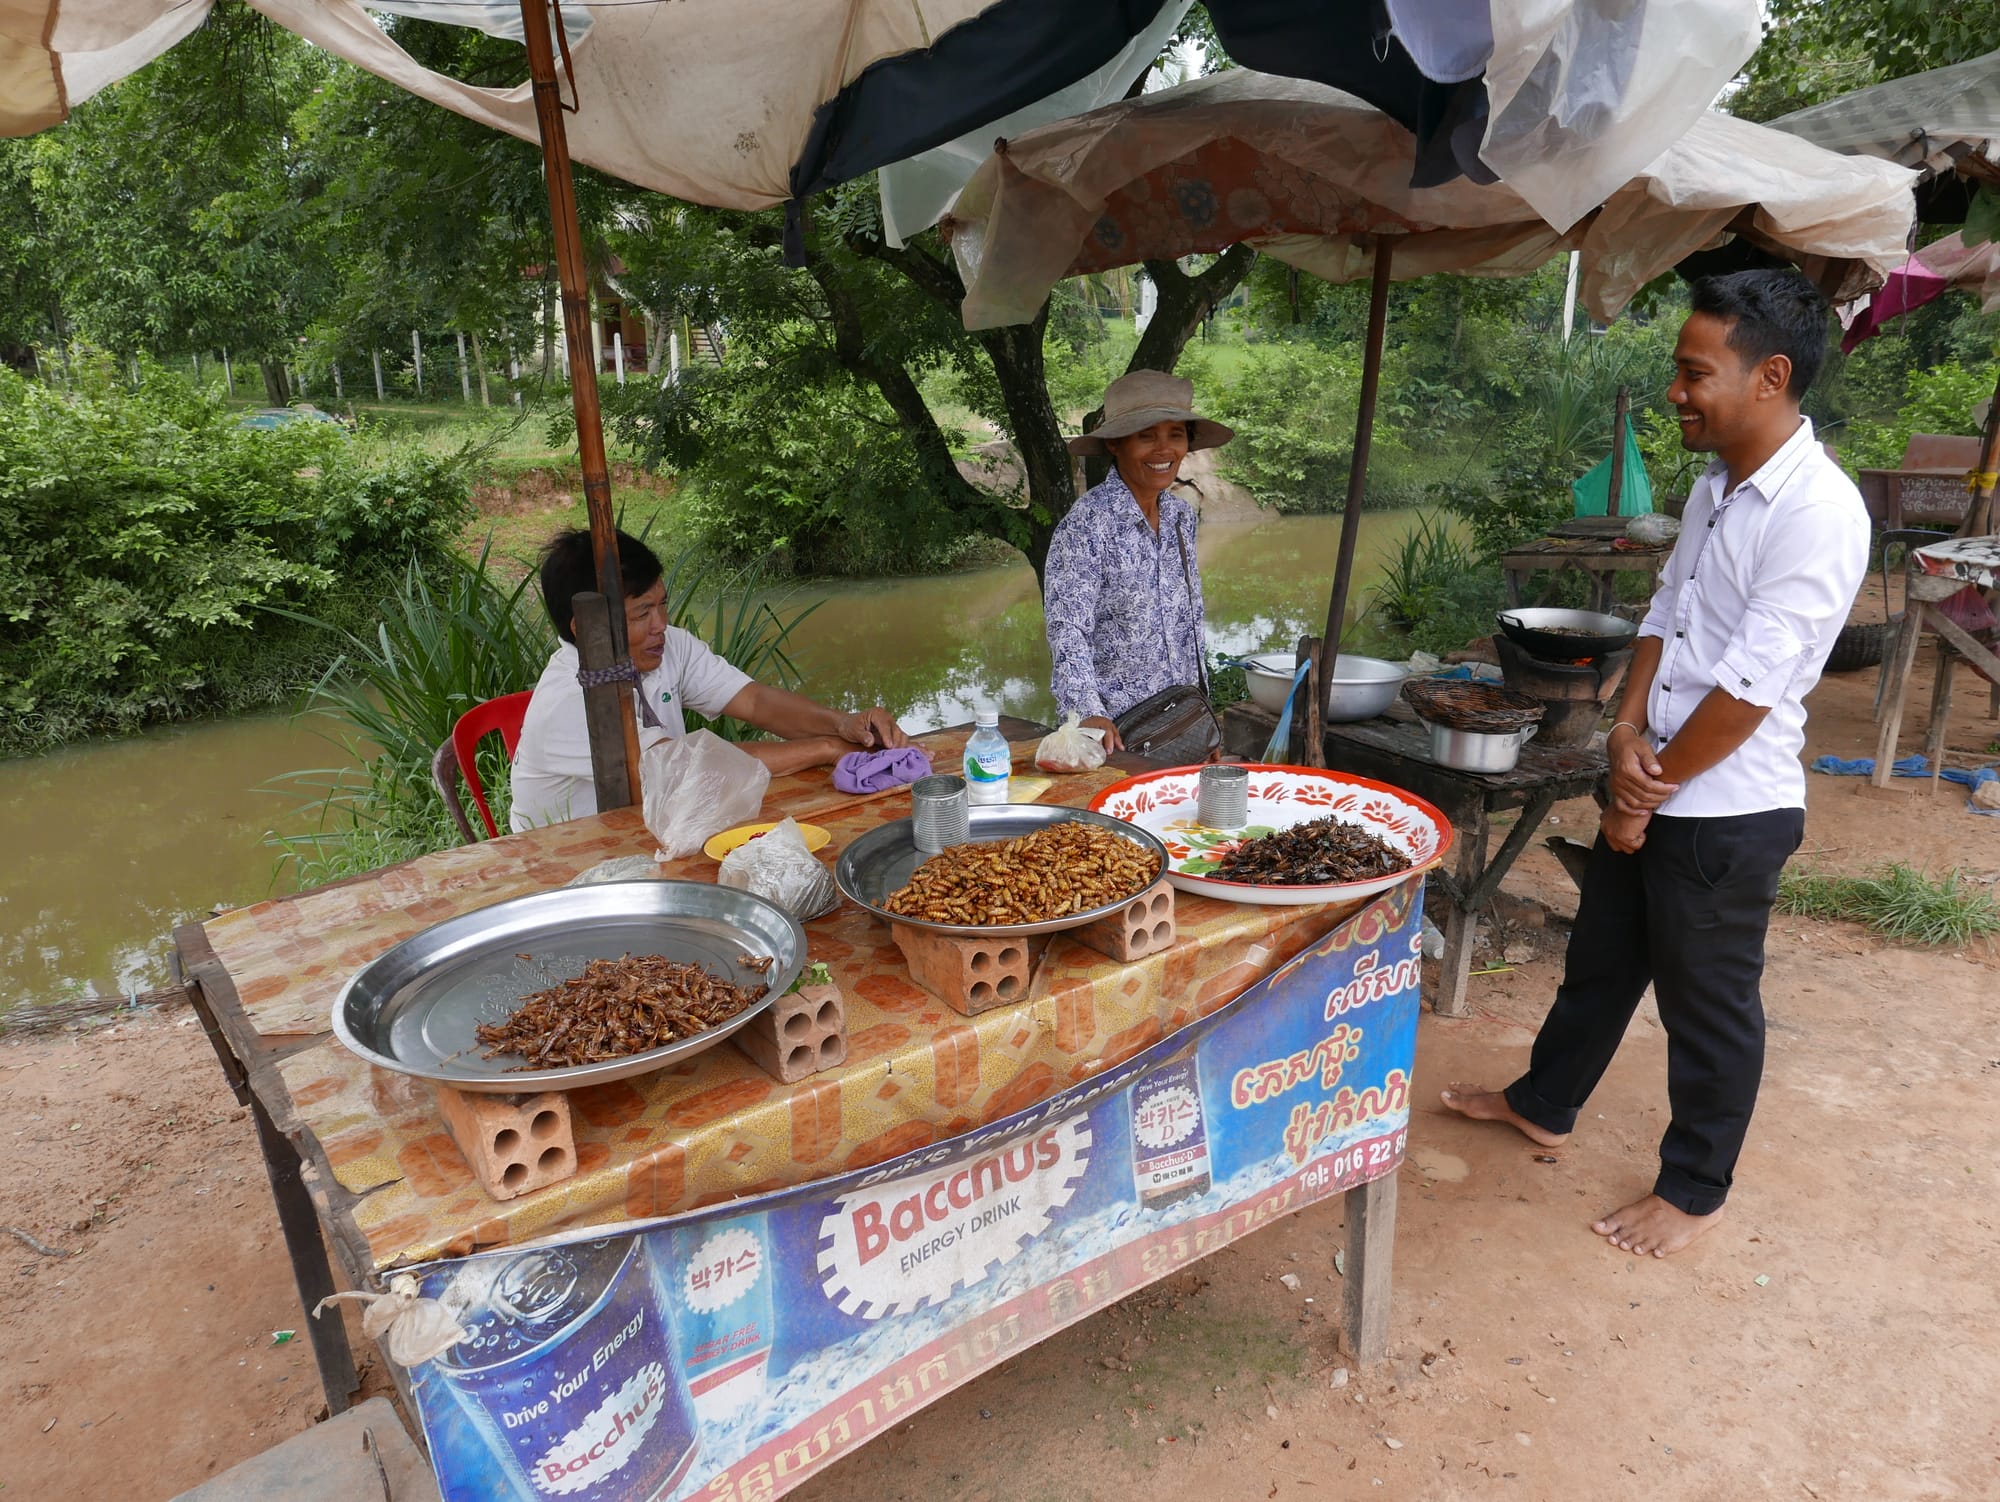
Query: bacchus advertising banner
pixel 730 1353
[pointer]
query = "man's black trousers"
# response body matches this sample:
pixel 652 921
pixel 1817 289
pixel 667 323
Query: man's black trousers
pixel 1686 913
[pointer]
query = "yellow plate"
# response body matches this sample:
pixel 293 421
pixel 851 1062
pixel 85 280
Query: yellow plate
pixel 721 844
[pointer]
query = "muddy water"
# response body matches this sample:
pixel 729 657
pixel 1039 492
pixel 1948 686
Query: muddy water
pixel 110 845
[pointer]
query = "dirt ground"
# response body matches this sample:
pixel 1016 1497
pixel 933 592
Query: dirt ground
pixel 1832 1338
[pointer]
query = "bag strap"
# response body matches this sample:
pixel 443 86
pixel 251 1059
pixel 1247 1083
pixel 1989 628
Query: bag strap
pixel 1200 647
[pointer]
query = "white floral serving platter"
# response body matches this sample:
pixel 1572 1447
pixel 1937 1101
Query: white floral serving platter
pixel 1163 803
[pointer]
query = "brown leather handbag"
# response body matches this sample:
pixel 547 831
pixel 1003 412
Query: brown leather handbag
pixel 1177 725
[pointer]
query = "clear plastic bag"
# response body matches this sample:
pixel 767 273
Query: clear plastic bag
pixel 619 868
pixel 1071 748
pixel 777 865
pixel 698 786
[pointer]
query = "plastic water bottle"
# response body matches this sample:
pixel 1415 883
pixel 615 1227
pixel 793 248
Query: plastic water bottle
pixel 987 761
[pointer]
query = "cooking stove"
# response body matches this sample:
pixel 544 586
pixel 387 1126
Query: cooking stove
pixel 1573 693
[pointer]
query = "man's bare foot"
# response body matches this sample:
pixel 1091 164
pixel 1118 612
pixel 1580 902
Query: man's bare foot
pixel 1652 1227
pixel 1491 1105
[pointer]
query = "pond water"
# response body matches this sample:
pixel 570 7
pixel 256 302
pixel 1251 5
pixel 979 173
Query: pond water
pixel 117 842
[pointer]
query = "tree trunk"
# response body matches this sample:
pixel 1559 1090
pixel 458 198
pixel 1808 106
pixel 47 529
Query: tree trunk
pixel 277 384
pixel 1016 353
pixel 899 390
pixel 1186 302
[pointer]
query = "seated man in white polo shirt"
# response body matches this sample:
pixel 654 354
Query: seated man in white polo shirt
pixel 551 778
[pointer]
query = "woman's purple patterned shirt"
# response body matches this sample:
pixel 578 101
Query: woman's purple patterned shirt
pixel 1123 622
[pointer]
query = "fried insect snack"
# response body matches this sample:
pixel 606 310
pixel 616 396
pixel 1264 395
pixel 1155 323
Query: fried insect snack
pixel 613 1009
pixel 1062 869
pixel 1308 855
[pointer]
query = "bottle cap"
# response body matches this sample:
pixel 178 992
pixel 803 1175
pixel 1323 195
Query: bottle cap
pixel 986 717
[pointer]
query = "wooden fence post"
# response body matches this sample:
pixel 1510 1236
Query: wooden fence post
pixel 417 356
pixel 618 353
pixel 376 356
pixel 228 375
pixel 464 375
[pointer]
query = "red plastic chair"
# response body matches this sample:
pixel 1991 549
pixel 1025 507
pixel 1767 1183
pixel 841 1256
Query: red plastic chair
pixel 459 754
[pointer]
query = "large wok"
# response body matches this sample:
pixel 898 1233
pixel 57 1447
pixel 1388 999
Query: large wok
pixel 1565 635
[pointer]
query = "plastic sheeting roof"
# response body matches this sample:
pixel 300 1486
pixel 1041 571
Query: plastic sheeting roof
pixel 747 103
pixel 1312 176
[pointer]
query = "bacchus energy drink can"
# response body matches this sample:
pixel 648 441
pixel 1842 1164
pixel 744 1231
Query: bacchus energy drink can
pixel 721 1282
pixel 1169 1135
pixel 566 1385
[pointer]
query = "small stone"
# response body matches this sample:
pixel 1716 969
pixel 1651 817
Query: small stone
pixel 1270 1410
pixel 1340 1376
pixel 986 1413
pixel 1394 1444
pixel 1290 1280
pixel 1518 954
pixel 1523 1439
pixel 1987 794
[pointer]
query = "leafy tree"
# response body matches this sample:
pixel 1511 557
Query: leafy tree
pixel 175 217
pixel 1815 50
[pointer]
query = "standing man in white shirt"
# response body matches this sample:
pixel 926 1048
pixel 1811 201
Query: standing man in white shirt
pixel 1707 790
pixel 551 777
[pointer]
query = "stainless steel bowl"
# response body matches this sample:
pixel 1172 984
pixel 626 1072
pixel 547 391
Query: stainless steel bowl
pixel 1477 750
pixel 1362 686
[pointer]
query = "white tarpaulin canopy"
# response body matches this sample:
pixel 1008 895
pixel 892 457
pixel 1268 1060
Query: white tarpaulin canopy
pixel 1313 177
pixel 1937 119
pixel 748 103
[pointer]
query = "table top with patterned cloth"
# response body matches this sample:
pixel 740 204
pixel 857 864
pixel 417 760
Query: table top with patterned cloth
pixel 1976 560
pixel 394 1189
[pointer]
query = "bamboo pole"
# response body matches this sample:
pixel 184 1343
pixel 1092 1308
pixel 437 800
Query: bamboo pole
pixel 1979 517
pixel 574 277
pixel 1618 415
pixel 1321 677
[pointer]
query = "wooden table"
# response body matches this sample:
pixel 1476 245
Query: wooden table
pixel 358 1156
pixel 1933 575
pixel 1395 748
pixel 1597 557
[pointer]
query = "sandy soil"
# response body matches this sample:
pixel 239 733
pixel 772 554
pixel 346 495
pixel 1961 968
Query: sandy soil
pixel 1832 1338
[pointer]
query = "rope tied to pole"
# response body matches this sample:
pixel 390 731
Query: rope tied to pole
pixel 622 671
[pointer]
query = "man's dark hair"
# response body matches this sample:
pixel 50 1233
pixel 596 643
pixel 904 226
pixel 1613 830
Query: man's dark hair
pixel 569 569
pixel 1768 313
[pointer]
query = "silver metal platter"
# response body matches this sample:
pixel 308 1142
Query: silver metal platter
pixel 881 862
pixel 414 1008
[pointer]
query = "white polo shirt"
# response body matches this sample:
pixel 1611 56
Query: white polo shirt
pixel 1758 586
pixel 551 778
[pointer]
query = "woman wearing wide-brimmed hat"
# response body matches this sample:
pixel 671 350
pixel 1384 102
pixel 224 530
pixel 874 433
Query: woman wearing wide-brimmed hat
pixel 1122 595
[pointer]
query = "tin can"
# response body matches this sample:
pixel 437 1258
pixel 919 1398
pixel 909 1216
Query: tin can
pixel 721 1282
pixel 940 813
pixel 567 1384
pixel 1222 797
pixel 1169 1135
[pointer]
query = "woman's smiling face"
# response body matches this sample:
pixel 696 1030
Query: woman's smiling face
pixel 1150 459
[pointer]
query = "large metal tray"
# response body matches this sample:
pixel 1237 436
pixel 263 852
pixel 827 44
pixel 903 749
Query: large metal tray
pixel 880 863
pixel 414 1008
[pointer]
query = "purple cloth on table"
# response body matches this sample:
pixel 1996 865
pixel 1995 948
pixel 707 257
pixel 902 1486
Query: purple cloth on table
pixel 877 771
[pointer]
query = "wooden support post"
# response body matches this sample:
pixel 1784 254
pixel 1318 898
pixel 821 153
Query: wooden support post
pixel 1461 923
pixel 228 375
pixel 376 356
pixel 604 707
pixel 1371 1248
pixel 339 390
pixel 1940 711
pixel 464 373
pixel 1618 414
pixel 417 359
pixel 573 273
pixel 1357 487
pixel 618 353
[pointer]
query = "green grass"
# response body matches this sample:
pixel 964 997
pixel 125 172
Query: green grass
pixel 1894 900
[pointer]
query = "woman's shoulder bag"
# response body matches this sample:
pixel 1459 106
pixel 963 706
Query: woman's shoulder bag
pixel 1177 725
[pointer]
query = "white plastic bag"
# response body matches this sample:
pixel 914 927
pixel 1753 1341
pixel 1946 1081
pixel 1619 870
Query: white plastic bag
pixel 1071 748
pixel 777 865
pixel 698 786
